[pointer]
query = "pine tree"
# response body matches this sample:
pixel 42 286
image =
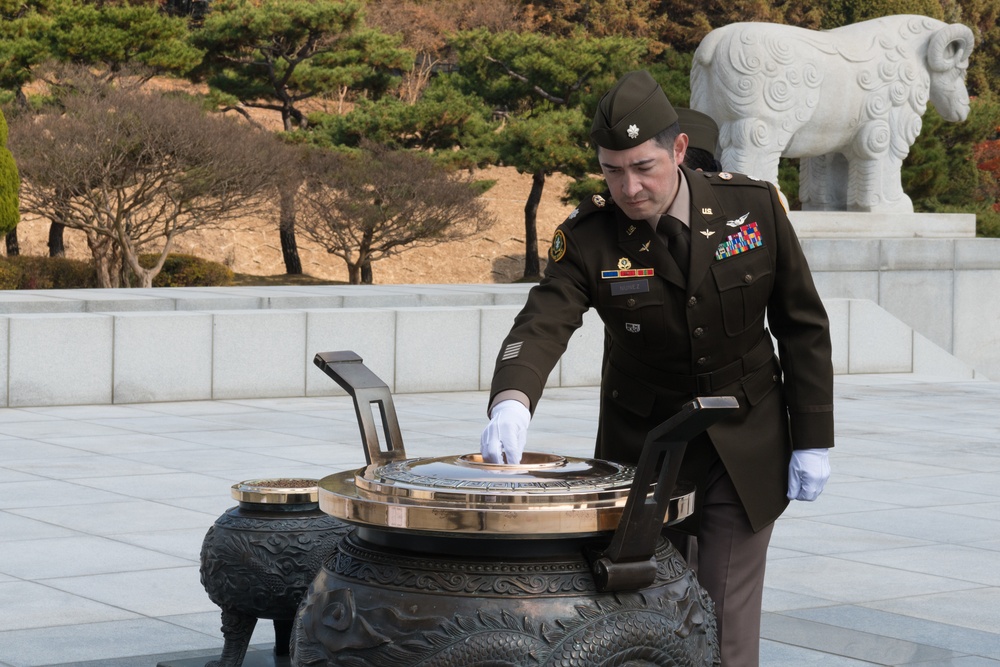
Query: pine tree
pixel 546 90
pixel 10 184
pixel 274 54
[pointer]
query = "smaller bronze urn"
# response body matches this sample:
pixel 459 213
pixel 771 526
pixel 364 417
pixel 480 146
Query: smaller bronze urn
pixel 259 558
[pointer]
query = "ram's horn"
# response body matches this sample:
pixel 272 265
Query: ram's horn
pixel 949 46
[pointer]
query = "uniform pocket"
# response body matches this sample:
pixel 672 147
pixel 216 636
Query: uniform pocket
pixel 744 283
pixel 633 316
pixel 761 382
pixel 628 394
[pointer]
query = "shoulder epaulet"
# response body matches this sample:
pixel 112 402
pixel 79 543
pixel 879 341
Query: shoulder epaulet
pixel 733 178
pixel 588 207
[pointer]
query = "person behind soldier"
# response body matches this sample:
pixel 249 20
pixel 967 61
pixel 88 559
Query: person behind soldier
pixel 685 268
pixel 703 138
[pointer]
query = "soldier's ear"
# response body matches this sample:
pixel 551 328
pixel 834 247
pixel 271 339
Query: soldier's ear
pixel 680 147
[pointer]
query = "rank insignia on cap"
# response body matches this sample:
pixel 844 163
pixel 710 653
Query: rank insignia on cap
pixel 725 175
pixel 598 201
pixel 632 328
pixel 624 264
pixel 558 249
pixel 632 112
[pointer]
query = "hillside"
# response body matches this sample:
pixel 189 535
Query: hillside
pixel 252 246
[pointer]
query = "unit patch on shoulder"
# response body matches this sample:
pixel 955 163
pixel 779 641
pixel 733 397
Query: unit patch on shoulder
pixel 558 249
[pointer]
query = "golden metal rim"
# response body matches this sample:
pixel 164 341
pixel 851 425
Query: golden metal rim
pixel 277 491
pixel 540 479
pixel 486 515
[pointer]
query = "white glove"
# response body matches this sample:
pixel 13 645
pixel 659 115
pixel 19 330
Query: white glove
pixel 807 473
pixel 506 433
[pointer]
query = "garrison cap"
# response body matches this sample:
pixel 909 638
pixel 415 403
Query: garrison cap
pixel 702 131
pixel 635 110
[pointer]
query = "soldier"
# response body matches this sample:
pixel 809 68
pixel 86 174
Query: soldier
pixel 682 267
pixel 703 137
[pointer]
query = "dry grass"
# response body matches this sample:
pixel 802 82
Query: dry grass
pixel 251 246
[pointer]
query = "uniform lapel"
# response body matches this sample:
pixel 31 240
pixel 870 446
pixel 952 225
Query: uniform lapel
pixel 643 247
pixel 708 226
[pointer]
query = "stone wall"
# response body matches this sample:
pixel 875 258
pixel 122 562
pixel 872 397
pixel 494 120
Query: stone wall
pixel 67 347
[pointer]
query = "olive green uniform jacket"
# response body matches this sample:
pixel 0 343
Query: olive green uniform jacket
pixel 671 339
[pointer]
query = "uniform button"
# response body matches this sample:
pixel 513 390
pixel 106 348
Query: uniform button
pixel 774 378
pixel 630 302
pixel 702 361
pixel 698 332
pixel 748 279
pixel 614 393
pixel 692 301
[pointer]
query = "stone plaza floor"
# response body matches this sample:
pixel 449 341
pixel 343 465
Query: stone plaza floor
pixel 103 510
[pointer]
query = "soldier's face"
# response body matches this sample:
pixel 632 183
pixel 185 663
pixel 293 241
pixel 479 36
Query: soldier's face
pixel 643 180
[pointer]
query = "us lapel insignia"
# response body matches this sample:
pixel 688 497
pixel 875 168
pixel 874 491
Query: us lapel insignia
pixel 738 221
pixel 631 230
pixel 706 211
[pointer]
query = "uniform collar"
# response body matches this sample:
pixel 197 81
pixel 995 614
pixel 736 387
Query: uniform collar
pixel 680 207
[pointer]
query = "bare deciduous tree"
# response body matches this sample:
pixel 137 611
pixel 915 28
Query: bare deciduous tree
pixel 133 170
pixel 379 202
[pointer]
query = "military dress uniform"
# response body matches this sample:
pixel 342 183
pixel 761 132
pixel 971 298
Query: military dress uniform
pixel 676 333
pixel 673 338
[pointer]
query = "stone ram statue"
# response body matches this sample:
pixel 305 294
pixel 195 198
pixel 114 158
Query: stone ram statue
pixel 848 101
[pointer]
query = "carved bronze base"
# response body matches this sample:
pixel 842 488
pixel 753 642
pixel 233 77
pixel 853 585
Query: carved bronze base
pixel 376 603
pixel 256 562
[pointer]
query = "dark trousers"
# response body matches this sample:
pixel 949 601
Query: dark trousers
pixel 729 559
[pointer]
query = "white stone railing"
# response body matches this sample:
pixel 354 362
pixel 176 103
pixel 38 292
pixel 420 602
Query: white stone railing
pixel 66 347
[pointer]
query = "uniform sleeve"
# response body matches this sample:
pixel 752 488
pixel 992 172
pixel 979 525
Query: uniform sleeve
pixel 799 323
pixel 541 331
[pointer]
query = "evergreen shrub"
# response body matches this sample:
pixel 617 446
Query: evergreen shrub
pixel 181 270
pixel 34 272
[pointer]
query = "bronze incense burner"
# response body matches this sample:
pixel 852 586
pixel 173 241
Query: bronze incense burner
pixel 258 558
pixel 557 561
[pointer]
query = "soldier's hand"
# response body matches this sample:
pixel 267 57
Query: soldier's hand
pixel 505 435
pixel 807 473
